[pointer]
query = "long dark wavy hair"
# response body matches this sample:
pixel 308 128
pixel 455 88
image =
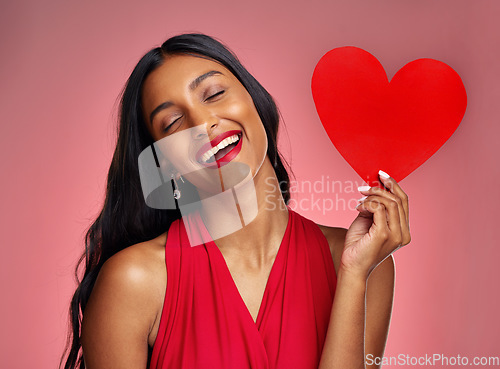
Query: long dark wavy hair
pixel 125 219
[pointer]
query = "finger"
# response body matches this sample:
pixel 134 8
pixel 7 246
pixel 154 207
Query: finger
pixel 376 210
pixel 391 184
pixel 394 187
pixel 392 216
pixel 403 222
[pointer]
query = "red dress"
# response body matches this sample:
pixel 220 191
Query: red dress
pixel 205 323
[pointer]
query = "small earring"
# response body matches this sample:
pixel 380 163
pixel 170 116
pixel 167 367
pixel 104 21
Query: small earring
pixel 177 192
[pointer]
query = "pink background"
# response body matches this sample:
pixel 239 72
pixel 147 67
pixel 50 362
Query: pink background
pixel 64 63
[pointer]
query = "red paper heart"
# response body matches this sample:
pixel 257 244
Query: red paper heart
pixel 392 126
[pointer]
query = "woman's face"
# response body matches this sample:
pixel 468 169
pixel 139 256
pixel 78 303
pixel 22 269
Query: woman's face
pixel 205 118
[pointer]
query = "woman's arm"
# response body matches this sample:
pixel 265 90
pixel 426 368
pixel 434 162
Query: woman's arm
pixel 121 311
pixel 379 302
pixel 344 344
pixel 379 292
pixel 365 274
pixel 347 339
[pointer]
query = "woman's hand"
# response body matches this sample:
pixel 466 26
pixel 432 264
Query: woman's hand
pixel 381 227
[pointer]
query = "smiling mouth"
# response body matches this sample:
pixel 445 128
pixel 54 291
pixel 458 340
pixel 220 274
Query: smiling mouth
pixel 223 152
pixel 219 151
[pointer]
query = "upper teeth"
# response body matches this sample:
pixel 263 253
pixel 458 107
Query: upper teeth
pixel 225 142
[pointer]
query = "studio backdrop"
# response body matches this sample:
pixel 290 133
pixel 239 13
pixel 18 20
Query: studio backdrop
pixel 64 64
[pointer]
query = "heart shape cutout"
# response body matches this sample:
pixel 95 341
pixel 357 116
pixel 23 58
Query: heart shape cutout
pixel 376 124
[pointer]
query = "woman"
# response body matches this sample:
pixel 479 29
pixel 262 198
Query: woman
pixel 264 295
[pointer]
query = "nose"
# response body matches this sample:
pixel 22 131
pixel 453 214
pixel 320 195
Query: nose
pixel 203 125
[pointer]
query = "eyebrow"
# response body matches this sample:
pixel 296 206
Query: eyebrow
pixel 192 86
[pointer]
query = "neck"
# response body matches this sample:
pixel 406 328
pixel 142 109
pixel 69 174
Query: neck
pixel 249 221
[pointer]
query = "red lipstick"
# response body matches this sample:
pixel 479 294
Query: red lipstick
pixel 227 157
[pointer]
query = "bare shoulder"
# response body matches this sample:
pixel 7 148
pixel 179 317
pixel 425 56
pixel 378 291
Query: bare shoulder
pixel 137 262
pixel 335 237
pixel 136 269
pixel 125 305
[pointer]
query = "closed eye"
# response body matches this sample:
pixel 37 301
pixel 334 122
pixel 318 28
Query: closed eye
pixel 170 125
pixel 215 95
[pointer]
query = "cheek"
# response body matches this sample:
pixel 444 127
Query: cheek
pixel 238 108
pixel 172 154
pixel 242 109
pixel 258 133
